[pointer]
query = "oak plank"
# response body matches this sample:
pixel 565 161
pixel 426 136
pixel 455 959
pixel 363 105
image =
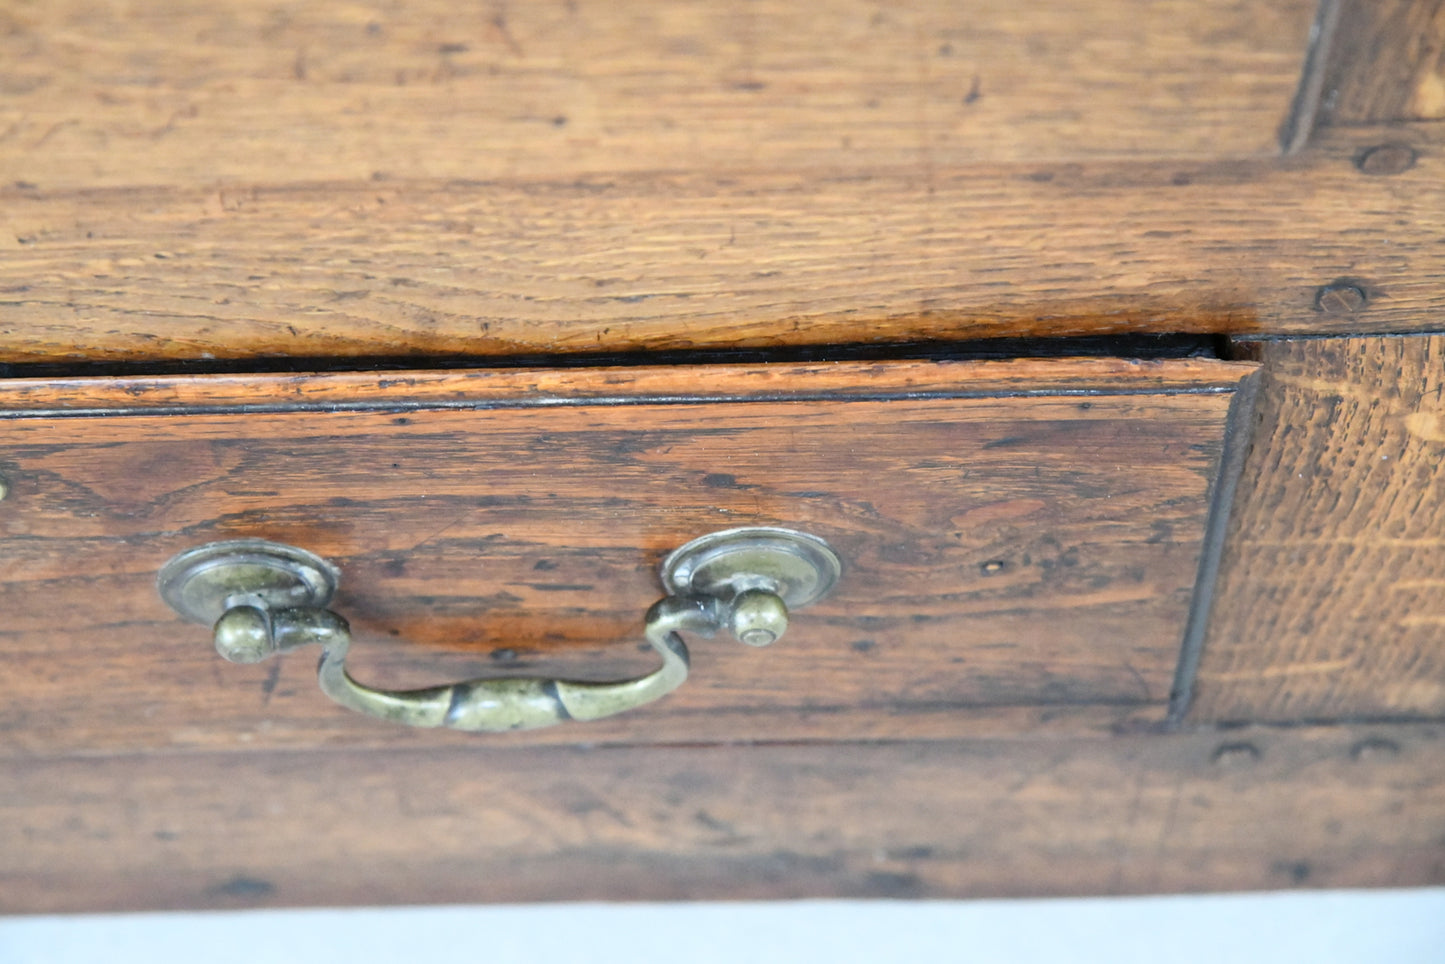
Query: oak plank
pixel 1331 596
pixel 1013 552
pixel 1386 63
pixel 1252 809
pixel 188 93
pixel 694 260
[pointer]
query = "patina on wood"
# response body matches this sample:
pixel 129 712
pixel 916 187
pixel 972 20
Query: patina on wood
pixel 1034 551
pixel 1385 62
pixel 1255 808
pixel 478 388
pixel 184 92
pixel 830 230
pixel 1331 599
pixel 703 259
pixel 675 175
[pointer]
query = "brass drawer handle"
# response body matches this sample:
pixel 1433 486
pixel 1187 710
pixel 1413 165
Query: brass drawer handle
pixel 265 598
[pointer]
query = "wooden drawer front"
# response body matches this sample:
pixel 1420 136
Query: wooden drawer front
pixel 1020 542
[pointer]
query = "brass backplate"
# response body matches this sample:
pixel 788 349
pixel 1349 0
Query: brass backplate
pixel 798 567
pixel 201 584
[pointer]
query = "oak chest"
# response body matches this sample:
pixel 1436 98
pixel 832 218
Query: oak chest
pixel 1052 387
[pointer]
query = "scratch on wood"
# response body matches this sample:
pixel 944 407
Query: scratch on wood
pixel 268 686
pixel 500 26
pixel 52 131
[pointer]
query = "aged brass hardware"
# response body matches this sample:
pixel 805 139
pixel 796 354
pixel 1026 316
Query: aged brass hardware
pixel 264 598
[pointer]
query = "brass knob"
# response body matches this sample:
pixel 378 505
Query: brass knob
pixel 264 598
pixel 758 617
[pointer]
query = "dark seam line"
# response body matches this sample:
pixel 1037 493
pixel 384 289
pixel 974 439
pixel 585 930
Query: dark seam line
pixel 1316 722
pixel 1170 346
pixel 896 711
pixel 238 757
pixel 1324 336
pixel 1299 126
pixel 1360 125
pixel 1238 436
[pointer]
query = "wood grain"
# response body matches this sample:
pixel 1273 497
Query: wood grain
pixel 1333 807
pixel 697 260
pixel 189 93
pixel 479 388
pixel 1330 601
pixel 1387 63
pixel 233 180
pixel 1035 551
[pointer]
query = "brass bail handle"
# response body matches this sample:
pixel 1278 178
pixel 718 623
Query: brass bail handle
pixel 264 598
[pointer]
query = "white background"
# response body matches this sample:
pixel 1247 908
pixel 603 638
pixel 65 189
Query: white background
pixel 1341 927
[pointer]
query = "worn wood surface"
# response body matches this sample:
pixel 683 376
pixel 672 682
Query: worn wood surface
pixel 699 259
pixel 1335 807
pixel 478 388
pixel 1331 599
pixel 1386 62
pixel 1006 552
pixel 223 180
pixel 183 92
pixel 693 180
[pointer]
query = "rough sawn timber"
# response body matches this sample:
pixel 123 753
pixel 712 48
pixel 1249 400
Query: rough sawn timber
pixel 1331 597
